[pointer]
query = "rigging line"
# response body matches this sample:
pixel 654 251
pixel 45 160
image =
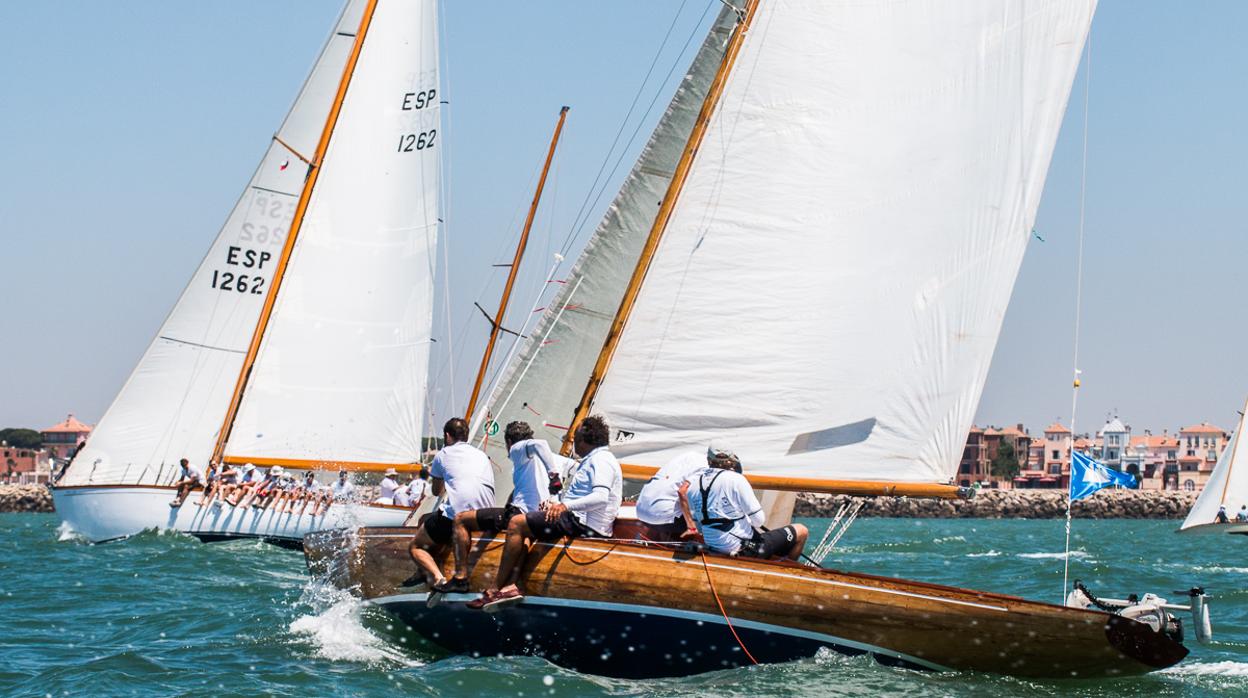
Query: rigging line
pixel 711 582
pixel 620 131
pixel 1083 197
pixel 447 160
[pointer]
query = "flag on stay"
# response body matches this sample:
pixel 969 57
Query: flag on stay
pixel 1087 476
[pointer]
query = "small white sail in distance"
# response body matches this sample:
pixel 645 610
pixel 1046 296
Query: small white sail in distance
pixel 1227 485
pixel 340 376
pixel 172 404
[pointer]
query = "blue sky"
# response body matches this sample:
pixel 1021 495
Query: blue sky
pixel 128 129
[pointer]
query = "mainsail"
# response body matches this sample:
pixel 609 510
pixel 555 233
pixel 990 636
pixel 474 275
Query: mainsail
pixel 340 375
pixel 831 282
pixel 172 404
pixel 1227 486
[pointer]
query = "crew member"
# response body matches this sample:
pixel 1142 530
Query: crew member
pixel 463 477
pixel 728 514
pixel 343 489
pixel 532 462
pixel 191 477
pixel 387 487
pixel 1242 515
pixel 585 508
pixel 246 483
pixel 658 504
pixel 1221 517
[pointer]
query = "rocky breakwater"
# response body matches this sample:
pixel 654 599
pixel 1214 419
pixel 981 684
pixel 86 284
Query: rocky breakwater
pixel 25 499
pixel 1013 504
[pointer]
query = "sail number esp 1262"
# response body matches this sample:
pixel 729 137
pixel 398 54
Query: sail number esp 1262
pixel 417 101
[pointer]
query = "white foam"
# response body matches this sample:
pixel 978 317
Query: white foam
pixel 949 539
pixel 1227 668
pixel 1219 569
pixel 1053 556
pixel 336 629
pixel 990 553
pixel 66 533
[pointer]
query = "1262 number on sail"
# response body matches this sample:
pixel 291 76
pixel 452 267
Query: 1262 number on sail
pixel 411 142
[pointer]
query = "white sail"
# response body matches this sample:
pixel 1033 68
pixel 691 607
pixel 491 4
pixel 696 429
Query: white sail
pixel 174 401
pixel 544 383
pixel 341 371
pixel 1227 486
pixel 831 284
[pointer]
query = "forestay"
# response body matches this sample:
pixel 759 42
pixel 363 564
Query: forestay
pixel 173 402
pixel 341 372
pixel 544 383
pixel 830 287
pixel 1227 486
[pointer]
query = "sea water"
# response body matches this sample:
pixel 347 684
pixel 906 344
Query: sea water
pixel 162 614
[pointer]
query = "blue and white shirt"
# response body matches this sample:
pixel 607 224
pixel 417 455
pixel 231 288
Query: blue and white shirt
pixel 595 491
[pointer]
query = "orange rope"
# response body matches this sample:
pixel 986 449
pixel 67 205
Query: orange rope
pixel 724 613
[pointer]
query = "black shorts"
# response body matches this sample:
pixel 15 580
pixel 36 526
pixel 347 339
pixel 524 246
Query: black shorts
pixel 495 519
pixel 773 543
pixel 566 526
pixel 438 527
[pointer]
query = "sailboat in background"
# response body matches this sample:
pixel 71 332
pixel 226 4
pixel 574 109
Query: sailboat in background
pixel 303 337
pixel 1227 487
pixel 812 258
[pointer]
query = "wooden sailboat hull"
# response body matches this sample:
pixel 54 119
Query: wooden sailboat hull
pixel 109 512
pixel 625 609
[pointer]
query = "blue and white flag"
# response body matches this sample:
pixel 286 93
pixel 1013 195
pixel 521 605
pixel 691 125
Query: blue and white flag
pixel 1087 476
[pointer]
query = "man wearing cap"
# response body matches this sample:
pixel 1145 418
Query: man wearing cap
pixel 387 487
pixel 463 477
pixel 247 482
pixel 719 501
pixel 658 504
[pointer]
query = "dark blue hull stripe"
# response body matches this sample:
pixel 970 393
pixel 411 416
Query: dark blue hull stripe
pixel 617 639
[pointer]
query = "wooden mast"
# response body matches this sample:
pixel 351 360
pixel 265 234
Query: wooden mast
pixel 660 221
pixel 515 267
pixel 681 174
pixel 296 224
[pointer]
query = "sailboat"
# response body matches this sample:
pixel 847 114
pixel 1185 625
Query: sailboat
pixel 811 258
pixel 303 338
pixel 1227 489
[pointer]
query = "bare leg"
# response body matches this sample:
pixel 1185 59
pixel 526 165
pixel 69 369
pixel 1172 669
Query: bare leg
pixel 209 491
pixel 461 535
pixel 800 544
pixel 422 558
pixel 513 552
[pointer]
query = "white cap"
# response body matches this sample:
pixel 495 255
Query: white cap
pixel 720 447
pixel 391 471
pixel 276 470
pixel 248 467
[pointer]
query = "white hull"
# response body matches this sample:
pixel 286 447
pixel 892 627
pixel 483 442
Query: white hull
pixel 1211 528
pixel 107 513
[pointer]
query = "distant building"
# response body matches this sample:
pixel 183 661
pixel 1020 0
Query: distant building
pixel 1199 448
pixel 982 448
pixel 1048 459
pixel 62 440
pixel 22 464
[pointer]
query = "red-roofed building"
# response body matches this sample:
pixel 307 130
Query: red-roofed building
pixel 982 448
pixel 1199 448
pixel 61 440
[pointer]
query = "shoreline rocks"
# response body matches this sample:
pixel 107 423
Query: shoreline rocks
pixel 32 499
pixel 1013 504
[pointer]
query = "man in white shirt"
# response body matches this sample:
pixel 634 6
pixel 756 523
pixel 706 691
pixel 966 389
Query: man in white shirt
pixel 343 489
pixel 721 503
pixel 387 487
pixel 191 477
pixel 532 463
pixel 463 477
pixel 586 507
pixel 658 505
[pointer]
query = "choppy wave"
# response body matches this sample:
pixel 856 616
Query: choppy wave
pixel 990 553
pixel 335 627
pixel 1074 554
pixel 1227 668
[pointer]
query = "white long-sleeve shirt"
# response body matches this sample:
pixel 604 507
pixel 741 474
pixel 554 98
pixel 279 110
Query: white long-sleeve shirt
pixel 659 501
pixel 595 491
pixel 532 464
